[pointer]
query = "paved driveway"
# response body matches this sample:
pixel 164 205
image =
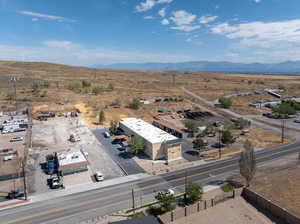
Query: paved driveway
pixel 124 160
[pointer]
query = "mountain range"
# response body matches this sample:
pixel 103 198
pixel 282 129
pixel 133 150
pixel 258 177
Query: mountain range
pixel 287 67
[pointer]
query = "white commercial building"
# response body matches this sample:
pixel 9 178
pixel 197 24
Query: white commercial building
pixel 72 161
pixel 158 143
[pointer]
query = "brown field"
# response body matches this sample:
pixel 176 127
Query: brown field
pixel 281 184
pixel 127 85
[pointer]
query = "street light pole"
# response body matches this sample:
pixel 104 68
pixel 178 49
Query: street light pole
pixel 282 131
pixel 219 144
pixel 14 81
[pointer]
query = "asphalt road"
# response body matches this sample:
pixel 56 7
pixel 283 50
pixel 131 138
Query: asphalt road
pixel 77 207
pixel 128 165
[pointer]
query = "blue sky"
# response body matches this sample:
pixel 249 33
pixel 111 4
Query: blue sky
pixel 88 32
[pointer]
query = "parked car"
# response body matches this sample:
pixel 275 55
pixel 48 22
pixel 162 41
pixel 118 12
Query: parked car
pixel 99 176
pixel 16 139
pixel 14 194
pixel 297 120
pixel 106 134
pixel 74 138
pixel 122 149
pixel 168 191
pixel 244 132
pixel 217 145
pixel 55 183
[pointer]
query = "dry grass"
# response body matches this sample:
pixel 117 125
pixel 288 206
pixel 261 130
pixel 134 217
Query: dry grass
pixel 127 85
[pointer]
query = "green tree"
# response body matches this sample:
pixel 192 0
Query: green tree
pixel 85 83
pixel 247 162
pixel 198 144
pixel 136 145
pixel 135 104
pixel 97 90
pixel 191 127
pixel 193 193
pixel 101 117
pixel 284 109
pixel 241 123
pixel 227 137
pixel 210 129
pixel 225 102
pixel 166 201
pixel 113 127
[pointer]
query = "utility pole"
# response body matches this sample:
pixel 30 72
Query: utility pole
pixel 282 131
pixel 24 178
pixel 219 143
pixel 185 185
pixel 173 79
pixel 133 203
pixel 26 148
pixel 14 81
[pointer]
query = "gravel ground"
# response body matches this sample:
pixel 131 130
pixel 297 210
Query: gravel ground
pixel 52 136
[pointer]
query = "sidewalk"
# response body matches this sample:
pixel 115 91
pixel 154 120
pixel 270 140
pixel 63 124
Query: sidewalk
pixel 72 190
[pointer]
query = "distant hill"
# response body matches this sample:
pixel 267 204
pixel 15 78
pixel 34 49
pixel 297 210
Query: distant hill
pixel 287 67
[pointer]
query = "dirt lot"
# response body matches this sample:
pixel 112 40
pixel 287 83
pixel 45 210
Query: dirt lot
pixel 279 181
pixel 282 185
pixel 52 136
pixel 236 211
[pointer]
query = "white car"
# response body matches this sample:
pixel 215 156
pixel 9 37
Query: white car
pixel 16 139
pixel 106 134
pixel 168 191
pixel 99 176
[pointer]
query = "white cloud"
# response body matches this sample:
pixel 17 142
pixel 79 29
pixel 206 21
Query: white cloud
pixel 81 55
pixel 257 1
pixel 148 17
pixel 207 19
pixel 182 17
pixel 186 28
pixel 165 22
pixel 184 21
pixel 232 55
pixel 149 4
pixel 60 44
pixel 262 34
pixel 45 16
pixel 34 19
pixel 162 12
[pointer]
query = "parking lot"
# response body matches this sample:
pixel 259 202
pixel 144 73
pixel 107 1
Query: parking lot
pixel 10 162
pixel 53 136
pixel 123 159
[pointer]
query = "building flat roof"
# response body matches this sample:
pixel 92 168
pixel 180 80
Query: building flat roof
pixel 70 157
pixel 147 131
